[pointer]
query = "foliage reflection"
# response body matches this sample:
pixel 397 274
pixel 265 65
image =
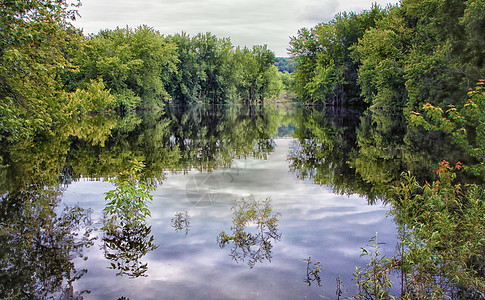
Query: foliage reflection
pixel 177 138
pixel 254 230
pixel 364 155
pixel 125 246
pixel 181 222
pixel 38 245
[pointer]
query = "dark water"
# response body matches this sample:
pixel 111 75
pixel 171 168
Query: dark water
pixel 326 174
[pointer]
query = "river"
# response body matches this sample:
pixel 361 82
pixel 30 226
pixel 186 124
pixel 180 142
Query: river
pixel 318 180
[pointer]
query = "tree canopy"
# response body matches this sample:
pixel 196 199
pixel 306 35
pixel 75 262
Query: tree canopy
pixel 49 71
pixel 401 56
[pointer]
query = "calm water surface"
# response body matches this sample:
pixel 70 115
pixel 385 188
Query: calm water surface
pixel 314 222
pixel 326 174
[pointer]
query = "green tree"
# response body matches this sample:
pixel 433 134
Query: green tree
pixel 422 51
pixel 326 68
pixel 204 69
pixel 130 62
pixel 33 39
pixel 380 51
pixel 38 45
pixel 256 74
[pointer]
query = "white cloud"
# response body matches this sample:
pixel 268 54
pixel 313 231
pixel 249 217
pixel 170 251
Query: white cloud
pixel 247 22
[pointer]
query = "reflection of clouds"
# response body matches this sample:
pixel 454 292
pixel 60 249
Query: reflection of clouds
pixel 248 22
pixel 314 222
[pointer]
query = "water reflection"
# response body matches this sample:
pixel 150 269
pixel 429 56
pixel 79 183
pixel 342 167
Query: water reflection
pixel 253 231
pixel 181 222
pixel 178 138
pixel 125 246
pixel 325 142
pixel 34 172
pixel 174 139
pixel 364 155
pixel 38 245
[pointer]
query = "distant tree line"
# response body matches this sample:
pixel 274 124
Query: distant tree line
pixel 144 68
pixel 285 64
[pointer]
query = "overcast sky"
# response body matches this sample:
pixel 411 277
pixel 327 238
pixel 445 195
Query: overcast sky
pixel 246 22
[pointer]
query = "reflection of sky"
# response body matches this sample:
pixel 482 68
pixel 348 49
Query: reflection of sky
pixel 314 221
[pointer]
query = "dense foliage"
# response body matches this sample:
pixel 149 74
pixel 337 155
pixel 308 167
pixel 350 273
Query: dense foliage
pixel 326 69
pixel 129 62
pixel 401 56
pixel 441 227
pixel 36 46
pixel 49 71
pixel 143 68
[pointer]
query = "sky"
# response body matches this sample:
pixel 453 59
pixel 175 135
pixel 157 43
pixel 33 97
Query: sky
pixel 246 22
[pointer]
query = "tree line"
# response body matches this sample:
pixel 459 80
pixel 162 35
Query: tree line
pixel 50 71
pixel 401 56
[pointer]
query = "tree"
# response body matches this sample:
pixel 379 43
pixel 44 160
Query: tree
pixel 256 74
pixel 130 62
pixel 326 68
pixel 37 46
pixel 34 38
pixel 423 52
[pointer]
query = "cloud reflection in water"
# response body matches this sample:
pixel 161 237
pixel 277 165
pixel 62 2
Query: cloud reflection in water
pixel 315 222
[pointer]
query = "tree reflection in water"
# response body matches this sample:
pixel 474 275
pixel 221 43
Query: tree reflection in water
pixel 365 155
pixel 254 229
pixel 38 245
pixel 125 246
pixel 181 221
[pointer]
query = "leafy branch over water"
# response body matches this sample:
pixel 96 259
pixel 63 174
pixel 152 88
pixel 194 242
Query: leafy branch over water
pixel 128 202
pixel 126 237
